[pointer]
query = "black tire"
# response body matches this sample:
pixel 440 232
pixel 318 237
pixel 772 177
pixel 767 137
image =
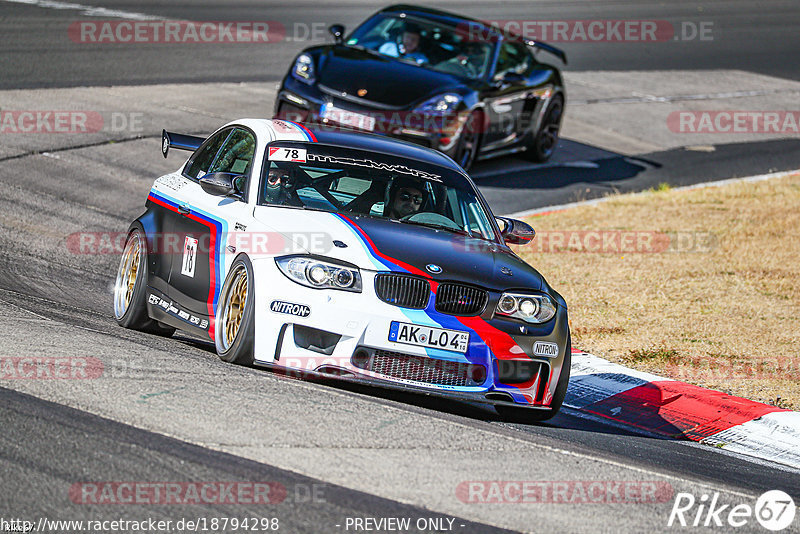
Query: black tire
pixel 469 142
pixel 234 325
pixel 130 293
pixel 513 414
pixel 543 144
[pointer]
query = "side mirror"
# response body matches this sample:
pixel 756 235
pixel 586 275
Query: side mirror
pixel 516 232
pixel 220 184
pixel 337 30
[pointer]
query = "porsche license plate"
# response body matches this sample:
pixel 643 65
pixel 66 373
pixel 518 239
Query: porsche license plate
pixel 347 118
pixel 429 336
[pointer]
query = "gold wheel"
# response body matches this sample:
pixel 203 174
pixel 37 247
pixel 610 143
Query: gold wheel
pixel 234 306
pixel 127 275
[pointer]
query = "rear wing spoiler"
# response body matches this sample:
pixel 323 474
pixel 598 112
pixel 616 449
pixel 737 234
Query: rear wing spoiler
pixel 560 54
pixel 179 141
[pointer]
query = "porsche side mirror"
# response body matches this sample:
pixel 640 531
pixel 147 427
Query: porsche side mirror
pixel 337 30
pixel 220 184
pixel 516 232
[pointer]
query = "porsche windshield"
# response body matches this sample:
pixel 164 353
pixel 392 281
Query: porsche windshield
pixel 375 185
pixel 425 43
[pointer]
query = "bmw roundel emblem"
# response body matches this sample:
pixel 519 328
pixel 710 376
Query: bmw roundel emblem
pixel 433 268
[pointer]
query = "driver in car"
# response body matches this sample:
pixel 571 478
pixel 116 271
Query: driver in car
pixel 408 48
pixel 280 188
pixel 406 197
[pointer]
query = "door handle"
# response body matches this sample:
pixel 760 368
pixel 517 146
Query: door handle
pixel 184 209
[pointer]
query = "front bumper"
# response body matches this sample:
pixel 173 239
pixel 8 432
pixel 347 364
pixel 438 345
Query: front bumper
pixel 301 102
pixel 347 335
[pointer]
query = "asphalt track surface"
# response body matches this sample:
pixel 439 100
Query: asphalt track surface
pixel 758 39
pixel 169 410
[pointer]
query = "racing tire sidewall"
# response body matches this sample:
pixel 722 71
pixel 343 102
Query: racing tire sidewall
pixel 135 316
pixel 534 150
pixel 241 350
pixel 474 121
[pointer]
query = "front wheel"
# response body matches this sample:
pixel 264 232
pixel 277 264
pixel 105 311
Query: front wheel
pixel 234 329
pixel 544 142
pixel 469 141
pixel 130 307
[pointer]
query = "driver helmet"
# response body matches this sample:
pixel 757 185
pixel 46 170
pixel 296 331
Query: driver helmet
pixel 280 183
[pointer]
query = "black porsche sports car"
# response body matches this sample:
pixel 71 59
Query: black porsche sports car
pixel 434 78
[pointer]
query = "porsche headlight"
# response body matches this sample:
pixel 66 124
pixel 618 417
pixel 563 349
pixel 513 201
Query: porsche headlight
pixel 446 103
pixel 530 308
pixel 320 274
pixel 303 68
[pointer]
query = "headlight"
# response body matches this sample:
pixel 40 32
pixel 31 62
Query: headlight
pixel 303 68
pixel 320 274
pixel 530 308
pixel 446 103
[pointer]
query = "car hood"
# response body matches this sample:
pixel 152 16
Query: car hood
pixel 384 245
pixel 388 82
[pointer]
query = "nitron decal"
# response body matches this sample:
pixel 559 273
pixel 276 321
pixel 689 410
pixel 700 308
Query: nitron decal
pixel 290 308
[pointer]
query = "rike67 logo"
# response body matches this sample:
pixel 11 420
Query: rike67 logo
pixel 774 510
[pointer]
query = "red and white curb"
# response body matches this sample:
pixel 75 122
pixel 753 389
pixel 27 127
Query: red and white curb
pixel 679 410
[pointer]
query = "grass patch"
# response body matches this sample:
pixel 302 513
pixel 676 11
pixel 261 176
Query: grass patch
pixel 717 306
pixel 660 188
pixel 661 355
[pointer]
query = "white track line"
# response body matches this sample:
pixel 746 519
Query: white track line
pixel 89 11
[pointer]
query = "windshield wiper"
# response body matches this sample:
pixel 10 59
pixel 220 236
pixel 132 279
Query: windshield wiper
pixel 439 227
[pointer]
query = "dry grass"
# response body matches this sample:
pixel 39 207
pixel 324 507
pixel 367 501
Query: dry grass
pixel 726 316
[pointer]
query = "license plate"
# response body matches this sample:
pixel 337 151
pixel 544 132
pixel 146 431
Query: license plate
pixel 347 118
pixel 429 337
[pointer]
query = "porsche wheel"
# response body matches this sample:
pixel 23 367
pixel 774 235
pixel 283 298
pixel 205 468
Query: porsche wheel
pixel 130 308
pixel 233 334
pixel 544 143
pixel 469 141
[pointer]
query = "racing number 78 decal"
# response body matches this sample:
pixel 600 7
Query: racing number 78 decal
pixel 297 155
pixel 189 256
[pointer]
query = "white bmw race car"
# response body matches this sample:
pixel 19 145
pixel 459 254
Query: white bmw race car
pixel 346 255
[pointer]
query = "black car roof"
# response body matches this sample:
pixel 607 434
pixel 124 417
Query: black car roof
pixel 385 145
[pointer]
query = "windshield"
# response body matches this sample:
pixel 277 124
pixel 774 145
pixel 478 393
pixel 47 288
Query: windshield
pixel 346 181
pixel 425 43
